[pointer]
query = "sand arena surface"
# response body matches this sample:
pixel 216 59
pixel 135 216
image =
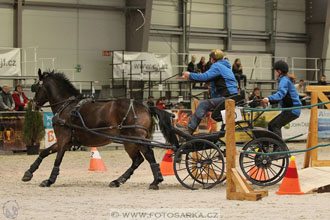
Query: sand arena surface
pixel 82 194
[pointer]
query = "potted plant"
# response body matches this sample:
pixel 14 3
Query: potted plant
pixel 33 130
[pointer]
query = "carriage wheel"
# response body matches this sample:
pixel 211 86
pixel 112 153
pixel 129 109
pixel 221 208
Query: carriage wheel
pixel 198 164
pixel 264 170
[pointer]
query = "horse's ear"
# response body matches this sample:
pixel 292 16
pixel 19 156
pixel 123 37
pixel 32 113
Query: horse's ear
pixel 40 74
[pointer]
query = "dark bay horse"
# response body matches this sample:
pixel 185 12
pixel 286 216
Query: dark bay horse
pixel 56 89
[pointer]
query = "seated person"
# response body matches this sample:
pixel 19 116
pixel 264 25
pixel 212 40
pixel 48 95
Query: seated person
pixel 161 103
pixel 223 84
pixel 287 95
pixel 256 95
pixel 323 81
pixel 192 67
pixel 20 99
pixel 6 100
pixel 151 101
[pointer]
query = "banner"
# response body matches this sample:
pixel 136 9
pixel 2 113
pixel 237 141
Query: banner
pixel 11 129
pixel 324 123
pixel 50 137
pixel 159 66
pixel 10 62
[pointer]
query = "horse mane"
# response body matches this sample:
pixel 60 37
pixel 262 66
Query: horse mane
pixel 63 82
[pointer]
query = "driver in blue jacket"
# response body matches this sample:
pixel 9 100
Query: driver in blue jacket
pixel 287 95
pixel 223 84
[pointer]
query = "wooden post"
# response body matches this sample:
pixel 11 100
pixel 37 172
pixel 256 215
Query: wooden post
pixel 312 139
pixel 311 130
pixel 234 180
pixel 230 146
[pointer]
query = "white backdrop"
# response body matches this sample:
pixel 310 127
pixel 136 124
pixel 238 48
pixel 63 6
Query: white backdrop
pixel 151 62
pixel 10 62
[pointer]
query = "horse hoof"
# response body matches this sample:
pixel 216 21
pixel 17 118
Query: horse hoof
pixel 45 183
pixel 154 187
pixel 27 176
pixel 114 183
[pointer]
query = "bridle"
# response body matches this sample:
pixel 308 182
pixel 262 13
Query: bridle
pixel 35 88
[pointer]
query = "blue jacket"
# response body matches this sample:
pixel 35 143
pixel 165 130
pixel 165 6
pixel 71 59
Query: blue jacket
pixel 287 95
pixel 223 82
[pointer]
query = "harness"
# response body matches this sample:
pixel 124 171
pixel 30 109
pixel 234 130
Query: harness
pixel 75 114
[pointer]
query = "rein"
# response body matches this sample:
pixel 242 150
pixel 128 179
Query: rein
pixel 57 103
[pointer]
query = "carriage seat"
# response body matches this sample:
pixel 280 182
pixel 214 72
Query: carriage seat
pixel 216 114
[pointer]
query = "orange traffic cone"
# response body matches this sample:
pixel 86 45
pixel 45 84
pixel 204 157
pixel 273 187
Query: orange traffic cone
pixel 290 184
pixel 96 163
pixel 166 166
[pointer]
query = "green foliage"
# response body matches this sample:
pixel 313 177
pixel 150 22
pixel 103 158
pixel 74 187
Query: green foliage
pixel 33 128
pixel 260 122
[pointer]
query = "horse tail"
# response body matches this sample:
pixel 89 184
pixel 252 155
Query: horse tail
pixel 165 124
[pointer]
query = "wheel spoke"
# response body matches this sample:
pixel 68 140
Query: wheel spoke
pixel 278 165
pixel 272 171
pixel 208 175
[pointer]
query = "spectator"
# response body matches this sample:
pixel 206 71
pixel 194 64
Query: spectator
pixel 256 95
pixel 6 100
pixel 226 58
pixel 202 65
pixel 192 67
pixel 323 81
pixel 20 99
pixel 181 105
pixel 208 64
pixel 238 72
pixel 301 91
pixel 151 101
pixel 161 103
pixel 201 68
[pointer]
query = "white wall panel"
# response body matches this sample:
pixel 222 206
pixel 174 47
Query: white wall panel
pixel 207 14
pixel 249 15
pixel 165 13
pixel 75 38
pixel 291 16
pixel 248 45
pixel 203 44
pixel 87 2
pixel 7 27
pixel 293 22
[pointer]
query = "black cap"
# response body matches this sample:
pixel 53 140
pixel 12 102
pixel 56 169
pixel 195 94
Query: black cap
pixel 282 66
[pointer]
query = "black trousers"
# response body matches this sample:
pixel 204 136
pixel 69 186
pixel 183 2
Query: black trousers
pixel 279 121
pixel 239 77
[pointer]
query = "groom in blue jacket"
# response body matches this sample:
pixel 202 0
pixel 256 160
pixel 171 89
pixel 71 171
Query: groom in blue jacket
pixel 223 84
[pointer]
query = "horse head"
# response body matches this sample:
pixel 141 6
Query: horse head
pixel 39 88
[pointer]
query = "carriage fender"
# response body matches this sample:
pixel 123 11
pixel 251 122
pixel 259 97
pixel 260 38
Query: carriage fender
pixel 262 132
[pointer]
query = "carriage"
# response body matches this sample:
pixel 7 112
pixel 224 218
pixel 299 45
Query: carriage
pixel 198 160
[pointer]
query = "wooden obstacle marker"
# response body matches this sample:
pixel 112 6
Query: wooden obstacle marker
pixel 234 179
pixel 316 175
